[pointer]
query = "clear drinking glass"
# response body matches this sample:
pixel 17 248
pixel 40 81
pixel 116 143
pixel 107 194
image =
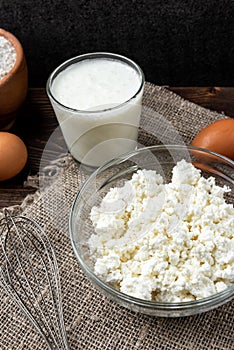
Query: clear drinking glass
pixel 98 135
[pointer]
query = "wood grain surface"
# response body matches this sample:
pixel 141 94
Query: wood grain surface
pixel 36 124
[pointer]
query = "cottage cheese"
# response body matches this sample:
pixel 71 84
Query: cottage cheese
pixel 165 242
pixel 7 56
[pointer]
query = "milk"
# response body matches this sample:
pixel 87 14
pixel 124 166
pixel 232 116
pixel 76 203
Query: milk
pixel 98 105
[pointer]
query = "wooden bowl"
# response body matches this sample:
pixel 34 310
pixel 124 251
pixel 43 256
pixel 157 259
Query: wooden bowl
pixel 14 85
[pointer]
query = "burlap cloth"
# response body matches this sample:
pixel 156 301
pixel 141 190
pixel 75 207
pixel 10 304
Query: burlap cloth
pixel 92 321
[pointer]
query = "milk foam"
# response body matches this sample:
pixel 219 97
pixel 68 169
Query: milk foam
pixel 95 84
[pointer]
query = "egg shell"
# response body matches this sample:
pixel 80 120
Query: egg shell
pixel 217 137
pixel 13 155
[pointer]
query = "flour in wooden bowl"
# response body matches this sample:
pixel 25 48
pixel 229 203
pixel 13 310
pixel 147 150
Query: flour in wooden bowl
pixel 7 56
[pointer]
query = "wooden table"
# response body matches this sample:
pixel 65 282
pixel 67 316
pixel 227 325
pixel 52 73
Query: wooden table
pixel 37 122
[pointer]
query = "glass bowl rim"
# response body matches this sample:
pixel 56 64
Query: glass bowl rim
pixel 212 300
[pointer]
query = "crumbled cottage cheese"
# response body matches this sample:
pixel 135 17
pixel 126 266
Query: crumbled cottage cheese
pixel 7 56
pixel 165 242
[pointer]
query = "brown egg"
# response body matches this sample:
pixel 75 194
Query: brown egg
pixel 217 137
pixel 13 155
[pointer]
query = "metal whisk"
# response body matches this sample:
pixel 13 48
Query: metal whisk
pixel 29 273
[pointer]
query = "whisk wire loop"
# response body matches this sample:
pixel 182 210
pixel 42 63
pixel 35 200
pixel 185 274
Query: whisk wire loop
pixel 30 276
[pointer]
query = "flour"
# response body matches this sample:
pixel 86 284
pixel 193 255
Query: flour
pixel 7 56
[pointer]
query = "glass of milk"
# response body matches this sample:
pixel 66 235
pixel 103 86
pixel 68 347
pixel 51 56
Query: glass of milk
pixel 97 101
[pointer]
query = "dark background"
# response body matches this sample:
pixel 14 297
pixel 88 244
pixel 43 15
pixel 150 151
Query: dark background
pixel 177 43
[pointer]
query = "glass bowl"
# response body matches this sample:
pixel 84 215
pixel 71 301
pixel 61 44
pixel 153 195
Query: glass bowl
pixel 114 174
